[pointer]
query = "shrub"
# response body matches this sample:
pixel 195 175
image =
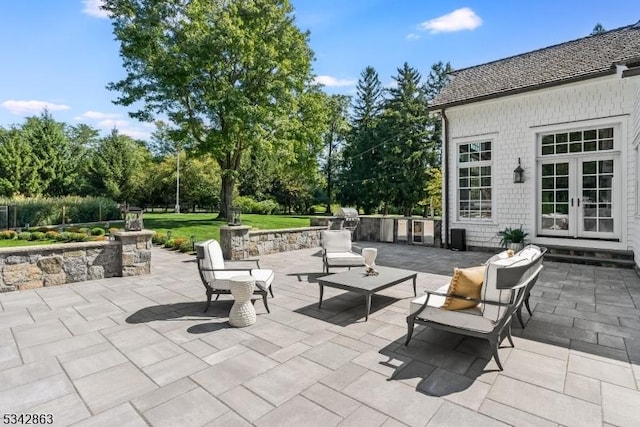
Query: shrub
pixel 8 235
pixel 178 241
pixel 37 235
pixel 51 234
pixel 65 236
pixel 73 229
pixel 186 247
pixel 25 235
pixel 41 211
pixel 99 238
pixel 249 205
pixel 169 243
pixel 113 230
pixel 98 231
pixel 158 238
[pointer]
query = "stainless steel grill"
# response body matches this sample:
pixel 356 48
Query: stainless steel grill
pixel 350 217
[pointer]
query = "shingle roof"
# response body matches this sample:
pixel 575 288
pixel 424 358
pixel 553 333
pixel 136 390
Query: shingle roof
pixel 583 58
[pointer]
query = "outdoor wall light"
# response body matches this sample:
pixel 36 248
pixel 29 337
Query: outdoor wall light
pixel 518 174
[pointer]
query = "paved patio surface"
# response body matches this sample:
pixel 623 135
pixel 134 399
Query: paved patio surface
pixel 139 351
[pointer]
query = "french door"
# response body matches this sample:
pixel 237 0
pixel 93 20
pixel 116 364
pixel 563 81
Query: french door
pixel 578 197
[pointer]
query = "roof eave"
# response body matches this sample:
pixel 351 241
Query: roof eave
pixel 523 89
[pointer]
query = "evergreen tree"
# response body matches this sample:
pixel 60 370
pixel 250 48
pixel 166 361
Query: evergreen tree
pixel 18 173
pixel 361 154
pixel 408 149
pixel 333 142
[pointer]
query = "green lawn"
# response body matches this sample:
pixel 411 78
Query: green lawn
pixel 206 226
pixel 13 243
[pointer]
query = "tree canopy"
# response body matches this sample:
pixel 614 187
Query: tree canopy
pixel 228 73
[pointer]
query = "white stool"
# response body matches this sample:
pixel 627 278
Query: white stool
pixel 242 312
pixel 369 255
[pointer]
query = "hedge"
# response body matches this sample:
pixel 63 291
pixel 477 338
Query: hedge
pixel 41 211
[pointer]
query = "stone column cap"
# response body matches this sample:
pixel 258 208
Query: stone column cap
pixel 134 233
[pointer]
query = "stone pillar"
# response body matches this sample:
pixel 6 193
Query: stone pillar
pixel 234 241
pixel 135 251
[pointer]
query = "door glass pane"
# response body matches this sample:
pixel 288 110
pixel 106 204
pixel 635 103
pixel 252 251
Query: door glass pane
pixel 597 194
pixel 554 195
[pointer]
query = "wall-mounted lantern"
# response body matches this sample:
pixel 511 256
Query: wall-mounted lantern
pixel 518 174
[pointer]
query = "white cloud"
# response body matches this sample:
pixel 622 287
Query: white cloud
pixel 112 123
pixel 32 106
pixel 136 133
pixel 92 8
pixel 334 82
pixel 458 20
pixel 96 115
pixel 413 36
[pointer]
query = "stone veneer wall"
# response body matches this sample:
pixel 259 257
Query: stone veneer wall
pixel 37 266
pixel 240 242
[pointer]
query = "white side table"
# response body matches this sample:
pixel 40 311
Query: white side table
pixel 242 313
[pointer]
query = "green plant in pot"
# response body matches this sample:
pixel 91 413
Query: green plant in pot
pixel 513 238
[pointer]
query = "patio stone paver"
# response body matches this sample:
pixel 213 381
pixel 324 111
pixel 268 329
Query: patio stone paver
pixel 299 412
pixel 554 406
pixel 113 386
pixel 193 408
pixel 122 415
pixel 453 415
pixel 141 350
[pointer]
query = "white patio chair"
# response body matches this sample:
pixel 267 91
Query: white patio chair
pixel 215 275
pixel 505 286
pixel 336 250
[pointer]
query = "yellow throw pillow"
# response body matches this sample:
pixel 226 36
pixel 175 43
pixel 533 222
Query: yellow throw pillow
pixel 466 282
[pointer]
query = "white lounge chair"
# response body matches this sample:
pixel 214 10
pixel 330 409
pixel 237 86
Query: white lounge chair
pixel 215 275
pixel 336 250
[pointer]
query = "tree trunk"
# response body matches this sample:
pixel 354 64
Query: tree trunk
pixel 226 196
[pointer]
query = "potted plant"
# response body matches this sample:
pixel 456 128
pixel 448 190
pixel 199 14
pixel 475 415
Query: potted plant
pixel 513 238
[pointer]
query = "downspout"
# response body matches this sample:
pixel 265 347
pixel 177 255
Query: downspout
pixel 445 181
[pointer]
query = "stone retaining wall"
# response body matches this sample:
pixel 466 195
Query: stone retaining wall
pixel 240 242
pixel 37 266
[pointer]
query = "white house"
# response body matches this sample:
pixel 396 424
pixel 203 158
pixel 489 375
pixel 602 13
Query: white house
pixel 570 115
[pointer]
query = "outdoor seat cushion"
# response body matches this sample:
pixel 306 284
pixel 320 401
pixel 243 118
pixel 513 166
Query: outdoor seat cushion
pixel 502 255
pixel 344 259
pixel 466 282
pixel 470 318
pixel 264 278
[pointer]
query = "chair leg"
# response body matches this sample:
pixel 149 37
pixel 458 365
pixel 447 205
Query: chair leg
pixel 509 335
pixel 271 291
pixel 526 304
pixel 410 326
pixel 493 343
pixel 217 296
pixel 519 316
pixel 264 299
pixel 208 301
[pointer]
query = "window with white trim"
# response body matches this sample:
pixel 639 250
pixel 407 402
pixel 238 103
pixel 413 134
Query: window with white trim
pixel 474 180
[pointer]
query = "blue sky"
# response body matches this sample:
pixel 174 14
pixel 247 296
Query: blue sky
pixel 61 53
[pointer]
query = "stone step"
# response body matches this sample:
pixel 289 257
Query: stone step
pixel 603 257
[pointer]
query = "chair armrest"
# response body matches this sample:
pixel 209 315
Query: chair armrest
pixel 240 261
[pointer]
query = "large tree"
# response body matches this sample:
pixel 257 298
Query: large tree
pixel 18 171
pixel 334 138
pixel 227 72
pixel 117 167
pixel 407 148
pixel 361 154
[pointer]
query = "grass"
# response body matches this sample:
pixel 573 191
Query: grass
pixel 207 226
pixel 14 243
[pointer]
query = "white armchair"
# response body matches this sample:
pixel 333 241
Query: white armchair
pixel 505 286
pixel 336 250
pixel 215 275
